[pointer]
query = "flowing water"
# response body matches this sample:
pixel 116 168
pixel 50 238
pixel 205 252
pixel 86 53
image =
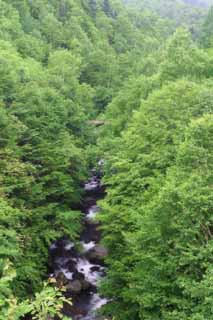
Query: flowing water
pixel 81 272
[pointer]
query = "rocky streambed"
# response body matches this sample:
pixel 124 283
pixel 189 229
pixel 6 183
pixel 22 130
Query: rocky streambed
pixel 81 270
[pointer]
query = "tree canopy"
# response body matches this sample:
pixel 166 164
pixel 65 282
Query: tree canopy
pixel 144 71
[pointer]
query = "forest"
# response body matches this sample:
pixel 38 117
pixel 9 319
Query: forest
pixel 144 71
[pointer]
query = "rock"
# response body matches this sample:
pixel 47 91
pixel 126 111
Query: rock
pixel 95 237
pixel 85 284
pixel 71 265
pixel 78 276
pixel 74 286
pixel 97 253
pixel 89 202
pixel 79 315
pixel 61 279
pixel 96 269
pixel 92 222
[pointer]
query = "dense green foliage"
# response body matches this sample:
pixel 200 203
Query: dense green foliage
pixel 47 303
pixel 63 63
pixel 207 30
pixel 153 182
pixel 178 12
pixel 157 215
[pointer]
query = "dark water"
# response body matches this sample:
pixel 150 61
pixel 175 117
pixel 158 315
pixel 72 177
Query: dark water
pixel 81 272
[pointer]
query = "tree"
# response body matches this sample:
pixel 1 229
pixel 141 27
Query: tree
pixel 183 59
pixel 207 30
pixel 135 176
pixel 175 237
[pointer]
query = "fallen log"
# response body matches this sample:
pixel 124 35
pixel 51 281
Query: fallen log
pixel 96 123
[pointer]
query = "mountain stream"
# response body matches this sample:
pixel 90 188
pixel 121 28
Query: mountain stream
pixel 81 272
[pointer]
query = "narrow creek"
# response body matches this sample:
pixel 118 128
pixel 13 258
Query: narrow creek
pixel 81 270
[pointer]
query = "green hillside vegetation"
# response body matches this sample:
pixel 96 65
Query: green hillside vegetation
pixel 149 78
pixel 157 215
pixel 178 12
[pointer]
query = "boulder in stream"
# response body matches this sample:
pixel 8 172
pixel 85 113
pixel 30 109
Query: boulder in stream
pixel 74 286
pixel 97 254
pixel 86 285
pixel 71 265
pixel 79 275
pixel 78 285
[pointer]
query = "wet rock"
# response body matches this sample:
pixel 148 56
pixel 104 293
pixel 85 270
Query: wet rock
pixel 74 286
pixel 89 202
pixel 71 265
pixel 85 284
pixel 93 222
pixel 96 269
pixel 95 237
pixel 97 254
pixel 80 314
pixel 91 233
pixel 61 280
pixel 62 247
pixel 79 276
pixel 74 312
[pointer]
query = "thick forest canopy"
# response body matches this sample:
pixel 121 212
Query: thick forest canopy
pixel 130 83
pixel 160 244
pixel 180 12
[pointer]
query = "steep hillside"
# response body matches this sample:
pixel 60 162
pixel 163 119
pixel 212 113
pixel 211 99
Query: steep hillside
pixel 178 11
pixel 137 71
pixel 157 217
pixel 61 63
